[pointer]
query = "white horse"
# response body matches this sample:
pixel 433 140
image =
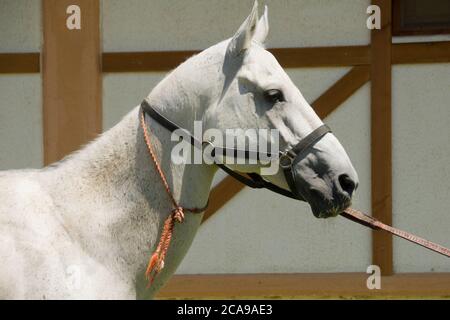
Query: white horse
pixel 85 226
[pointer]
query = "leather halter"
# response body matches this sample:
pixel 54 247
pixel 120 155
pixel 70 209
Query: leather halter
pixel 287 158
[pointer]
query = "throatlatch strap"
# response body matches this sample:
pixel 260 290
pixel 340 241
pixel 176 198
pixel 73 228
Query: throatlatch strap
pixel 218 150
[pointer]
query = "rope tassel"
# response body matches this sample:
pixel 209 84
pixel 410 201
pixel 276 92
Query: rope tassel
pixel 156 262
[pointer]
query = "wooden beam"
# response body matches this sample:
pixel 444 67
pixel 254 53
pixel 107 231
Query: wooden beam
pixel 402 53
pixel 340 91
pixel 426 52
pixel 144 61
pixel 322 56
pixel 288 58
pixel 72 87
pixel 19 63
pixel 312 285
pixel 221 194
pixel 381 136
pixel 434 52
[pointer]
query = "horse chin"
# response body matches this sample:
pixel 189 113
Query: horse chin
pixel 325 200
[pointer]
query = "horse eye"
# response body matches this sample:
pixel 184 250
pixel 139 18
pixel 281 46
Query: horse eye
pixel 274 96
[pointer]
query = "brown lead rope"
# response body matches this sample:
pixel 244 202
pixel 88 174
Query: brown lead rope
pixel 368 221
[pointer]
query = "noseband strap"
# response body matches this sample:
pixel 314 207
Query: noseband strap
pixel 292 156
pixel 254 180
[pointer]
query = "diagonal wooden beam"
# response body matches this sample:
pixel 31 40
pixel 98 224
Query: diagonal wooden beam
pixel 340 91
pixel 221 194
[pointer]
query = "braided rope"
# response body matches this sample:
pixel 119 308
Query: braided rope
pixel 155 161
pixel 156 261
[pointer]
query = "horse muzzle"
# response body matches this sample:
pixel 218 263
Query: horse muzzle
pixel 323 176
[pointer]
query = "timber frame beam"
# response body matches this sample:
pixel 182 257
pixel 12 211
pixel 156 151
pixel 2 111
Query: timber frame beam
pixel 381 137
pixel 404 53
pixel 312 285
pixel 72 79
pixel 20 63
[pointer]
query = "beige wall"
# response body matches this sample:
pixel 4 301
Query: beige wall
pixel 20 122
pixel 138 25
pixel 20 25
pixel 20 95
pixel 421 157
pixel 123 91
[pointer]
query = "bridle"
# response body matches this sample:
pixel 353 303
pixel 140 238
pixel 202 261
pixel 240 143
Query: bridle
pixel 287 159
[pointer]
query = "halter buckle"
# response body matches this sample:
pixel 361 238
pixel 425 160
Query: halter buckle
pixel 285 161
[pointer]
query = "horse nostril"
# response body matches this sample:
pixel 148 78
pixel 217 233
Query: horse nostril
pixel 347 184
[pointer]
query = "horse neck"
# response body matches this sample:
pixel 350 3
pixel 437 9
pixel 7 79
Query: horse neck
pixel 115 203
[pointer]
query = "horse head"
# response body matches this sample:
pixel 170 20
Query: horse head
pixel 257 93
pixel 241 85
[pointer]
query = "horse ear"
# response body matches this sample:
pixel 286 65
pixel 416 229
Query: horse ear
pixel 243 37
pixel 262 29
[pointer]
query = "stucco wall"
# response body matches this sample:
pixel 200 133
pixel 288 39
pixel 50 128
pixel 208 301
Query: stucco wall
pixel 20 25
pixel 421 156
pixel 196 24
pixel 20 95
pixel 20 122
